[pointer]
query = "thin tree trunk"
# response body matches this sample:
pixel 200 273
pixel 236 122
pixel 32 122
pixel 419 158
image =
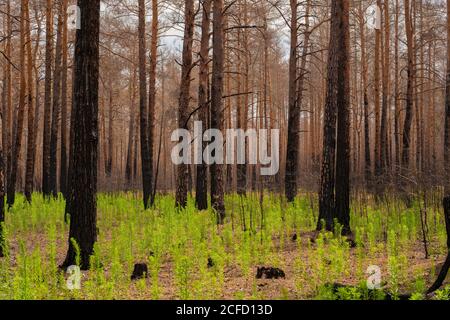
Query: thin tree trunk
pixel 152 88
pixel 129 163
pixel 47 99
pixel 183 102
pixel 7 106
pixel 29 175
pixel 56 105
pixel 217 170
pixel 145 152
pixel 294 114
pixel 201 194
pixel 64 111
pixel 367 156
pixel 409 101
pixel 11 194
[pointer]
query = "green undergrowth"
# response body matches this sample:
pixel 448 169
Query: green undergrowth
pixel 190 257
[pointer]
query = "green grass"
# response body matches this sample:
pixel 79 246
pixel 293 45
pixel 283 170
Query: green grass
pixel 176 246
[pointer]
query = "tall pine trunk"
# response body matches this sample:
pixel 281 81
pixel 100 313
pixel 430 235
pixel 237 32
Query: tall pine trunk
pixel 56 105
pixel 183 101
pixel 217 170
pixel 201 194
pixel 143 115
pixel 152 90
pixel 11 191
pixel 47 99
pixel 29 174
pixel 64 121
pixel 335 187
pixel 84 153
pixel 294 114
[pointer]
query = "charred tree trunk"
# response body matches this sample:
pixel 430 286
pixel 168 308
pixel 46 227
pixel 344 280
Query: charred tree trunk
pixel 56 105
pixel 183 101
pixel 342 209
pixel 84 154
pixel 152 90
pixel 409 102
pixel 7 105
pixel 201 194
pixel 335 186
pixel 64 122
pixel 294 113
pixel 11 192
pixel 145 152
pixel 47 100
pixel 29 175
pixel 217 170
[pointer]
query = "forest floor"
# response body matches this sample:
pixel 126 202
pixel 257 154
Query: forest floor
pixel 189 257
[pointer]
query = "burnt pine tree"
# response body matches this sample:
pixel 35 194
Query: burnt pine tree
pixel 152 92
pixel 409 101
pixel 446 202
pixel 47 99
pixel 201 190
pixel 56 109
pixel 84 152
pixel 217 170
pixel 294 114
pixel 143 110
pixel 335 187
pixel 183 101
pixel 64 122
pixel 18 125
pixel 29 175
pixel 342 197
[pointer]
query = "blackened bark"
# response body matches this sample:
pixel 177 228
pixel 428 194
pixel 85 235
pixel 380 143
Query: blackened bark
pixel 84 154
pixel 29 175
pixel 335 188
pixel 145 152
pixel 183 101
pixel 327 181
pixel 152 91
pixel 294 114
pixel 217 170
pixel 64 122
pixel 409 101
pixel 56 106
pixel 11 190
pixel 47 99
pixel 342 209
pixel 7 105
pixel 201 193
